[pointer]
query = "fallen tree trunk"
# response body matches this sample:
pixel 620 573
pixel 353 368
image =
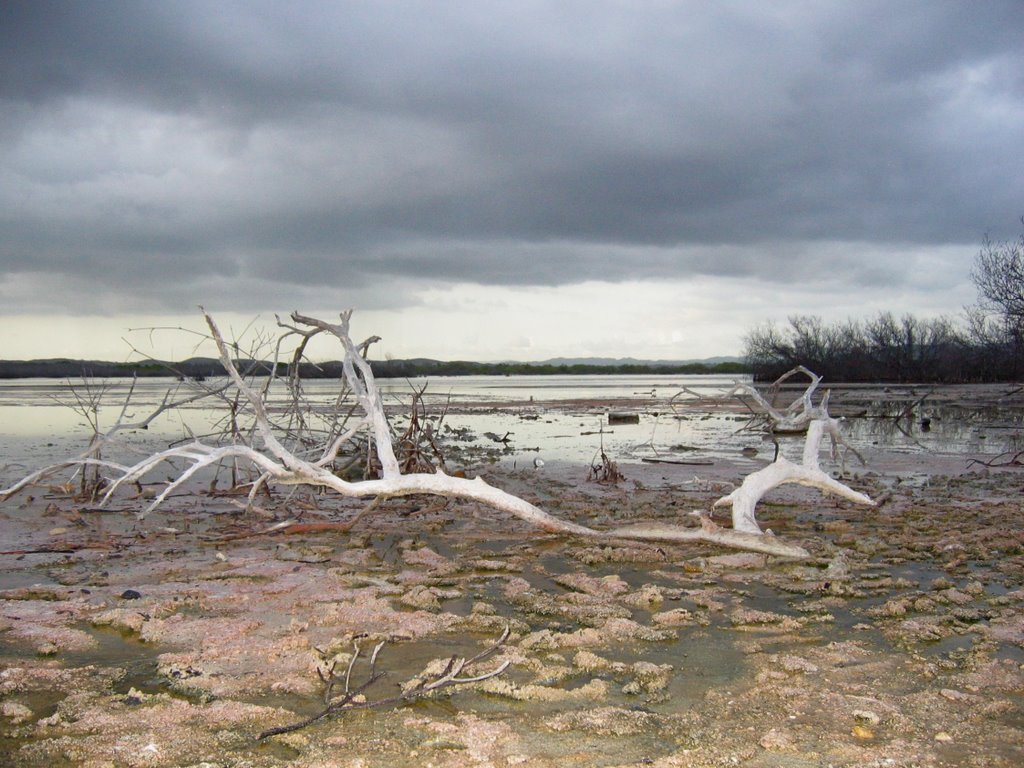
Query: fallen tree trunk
pixel 281 465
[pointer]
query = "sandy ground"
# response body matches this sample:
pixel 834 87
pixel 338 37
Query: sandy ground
pixel 175 641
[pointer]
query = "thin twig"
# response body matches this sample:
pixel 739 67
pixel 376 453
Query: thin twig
pixel 350 699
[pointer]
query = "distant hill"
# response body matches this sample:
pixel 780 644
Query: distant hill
pixel 65 368
pixel 205 367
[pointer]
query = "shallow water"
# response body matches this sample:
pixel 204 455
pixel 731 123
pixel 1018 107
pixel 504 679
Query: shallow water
pixel 713 664
pixel 517 421
pixel 554 420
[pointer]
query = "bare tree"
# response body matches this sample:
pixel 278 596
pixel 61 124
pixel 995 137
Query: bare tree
pixel 999 276
pixel 280 461
pixel 883 348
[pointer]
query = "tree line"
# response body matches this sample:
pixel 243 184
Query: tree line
pixel 202 368
pixel 985 344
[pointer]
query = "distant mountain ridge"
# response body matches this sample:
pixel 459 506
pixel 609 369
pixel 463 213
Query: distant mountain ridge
pixel 617 361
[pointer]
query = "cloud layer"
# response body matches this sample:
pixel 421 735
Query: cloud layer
pixel 260 155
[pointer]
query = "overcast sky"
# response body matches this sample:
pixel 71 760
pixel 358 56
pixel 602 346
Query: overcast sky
pixel 490 180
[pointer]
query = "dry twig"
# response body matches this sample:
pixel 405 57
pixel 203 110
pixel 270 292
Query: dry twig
pixel 456 672
pixel 1014 460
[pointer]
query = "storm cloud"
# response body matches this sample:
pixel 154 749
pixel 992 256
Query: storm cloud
pixel 264 155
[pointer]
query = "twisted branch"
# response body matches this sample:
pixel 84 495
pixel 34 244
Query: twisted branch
pixel 280 465
pixel 351 698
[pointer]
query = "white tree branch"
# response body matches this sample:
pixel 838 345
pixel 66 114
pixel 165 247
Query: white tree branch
pixel 782 471
pixel 280 465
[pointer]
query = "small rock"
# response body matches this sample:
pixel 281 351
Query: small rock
pixel 796 664
pixel 595 690
pixel 776 740
pixel 924 605
pixel 428 558
pixel 943 737
pixel 421 597
pixel 674 618
pixel 866 716
pixel 648 596
pixel 837 526
pixel 134 697
pixel 605 721
pixel 748 616
pixel 926 629
pixel 130 594
pixel 861 732
pixel 485 564
pixel 606 586
pixel 47 649
pixel 121 619
pixel 705 598
pixel 897 606
pixel 955 596
pixel 652 677
pixel 439 742
pixel 18 713
pixel 591 663
pixel 739 560
pixel 770 676
pixel 975 588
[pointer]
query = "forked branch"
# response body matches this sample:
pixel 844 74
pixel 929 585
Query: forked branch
pixel 277 463
pixel 801 414
pixel 340 695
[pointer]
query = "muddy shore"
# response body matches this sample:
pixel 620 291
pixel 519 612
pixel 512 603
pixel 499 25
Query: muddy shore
pixel 177 640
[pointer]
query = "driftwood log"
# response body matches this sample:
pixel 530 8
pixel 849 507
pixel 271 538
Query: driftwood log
pixel 277 464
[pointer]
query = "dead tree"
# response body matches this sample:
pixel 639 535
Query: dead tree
pixel 801 415
pixel 278 464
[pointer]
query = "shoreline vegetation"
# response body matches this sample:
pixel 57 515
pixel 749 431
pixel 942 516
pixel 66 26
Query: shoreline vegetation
pixel 985 344
pixel 203 367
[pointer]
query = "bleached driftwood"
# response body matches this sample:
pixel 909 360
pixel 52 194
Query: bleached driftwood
pixel 91 457
pixel 781 471
pixel 798 414
pixel 801 414
pixel 279 464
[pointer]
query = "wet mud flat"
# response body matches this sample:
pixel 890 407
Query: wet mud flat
pixel 177 640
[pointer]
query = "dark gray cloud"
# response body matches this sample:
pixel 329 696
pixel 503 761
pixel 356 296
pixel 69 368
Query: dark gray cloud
pixel 170 150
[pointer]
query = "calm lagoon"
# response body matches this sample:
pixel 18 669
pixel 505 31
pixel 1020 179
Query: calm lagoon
pixel 511 419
